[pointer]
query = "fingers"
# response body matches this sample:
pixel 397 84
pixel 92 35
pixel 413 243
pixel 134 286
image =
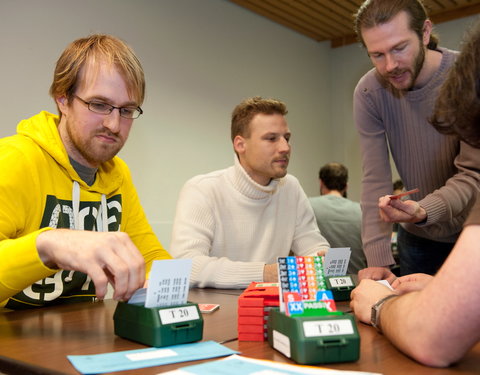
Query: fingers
pixel 124 266
pixel 364 296
pixel 396 283
pixel 411 283
pixel 391 278
pixel 100 280
pixel 398 211
pixel 375 273
pixel 104 256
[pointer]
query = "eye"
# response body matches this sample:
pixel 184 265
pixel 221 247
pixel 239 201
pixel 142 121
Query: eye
pixel 100 107
pixel 127 111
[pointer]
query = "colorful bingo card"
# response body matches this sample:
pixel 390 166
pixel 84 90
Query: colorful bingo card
pixel 303 275
pixel 301 280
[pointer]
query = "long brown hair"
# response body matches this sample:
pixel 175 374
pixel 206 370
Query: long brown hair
pixel 457 109
pixel 378 12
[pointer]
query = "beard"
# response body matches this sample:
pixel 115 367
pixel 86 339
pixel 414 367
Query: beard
pixel 93 152
pixel 414 73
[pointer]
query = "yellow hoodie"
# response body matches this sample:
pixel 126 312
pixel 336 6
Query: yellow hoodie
pixel 40 190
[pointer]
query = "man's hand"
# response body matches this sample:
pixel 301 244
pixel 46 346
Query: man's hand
pixel 104 256
pixel 411 283
pixel 270 273
pixel 364 296
pixel 376 273
pixel 398 211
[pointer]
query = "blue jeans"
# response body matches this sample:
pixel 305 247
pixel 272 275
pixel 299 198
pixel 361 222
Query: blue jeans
pixel 419 254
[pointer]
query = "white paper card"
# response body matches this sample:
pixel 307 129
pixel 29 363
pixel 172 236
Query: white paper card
pixel 336 261
pixel 331 327
pixel 178 314
pixel 143 356
pixel 386 283
pixel 167 286
pixel 341 281
pixel 168 283
pixel 281 342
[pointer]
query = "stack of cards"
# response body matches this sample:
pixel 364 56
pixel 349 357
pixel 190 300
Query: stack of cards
pixel 303 290
pixel 254 305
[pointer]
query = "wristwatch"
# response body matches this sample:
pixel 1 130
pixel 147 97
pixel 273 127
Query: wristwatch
pixel 375 317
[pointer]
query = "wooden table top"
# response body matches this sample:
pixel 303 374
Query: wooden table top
pixel 38 341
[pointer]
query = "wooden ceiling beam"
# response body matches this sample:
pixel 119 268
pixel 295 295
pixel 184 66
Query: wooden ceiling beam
pixel 454 14
pixel 331 20
pixel 313 19
pixel 280 19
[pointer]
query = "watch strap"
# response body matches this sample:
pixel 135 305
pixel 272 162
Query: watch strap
pixel 376 308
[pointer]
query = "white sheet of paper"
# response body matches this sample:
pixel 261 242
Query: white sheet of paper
pixel 386 283
pixel 168 283
pixel 336 261
pixel 139 296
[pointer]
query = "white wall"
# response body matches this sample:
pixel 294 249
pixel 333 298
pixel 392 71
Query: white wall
pixel 201 58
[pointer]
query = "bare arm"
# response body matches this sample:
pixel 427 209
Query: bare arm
pixel 442 318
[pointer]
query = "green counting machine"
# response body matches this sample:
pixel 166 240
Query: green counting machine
pixel 314 339
pixel 158 326
pixel 341 286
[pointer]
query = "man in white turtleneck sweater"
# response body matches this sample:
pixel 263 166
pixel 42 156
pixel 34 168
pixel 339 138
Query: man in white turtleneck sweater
pixel 235 222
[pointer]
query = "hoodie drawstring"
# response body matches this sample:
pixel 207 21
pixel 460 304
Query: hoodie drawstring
pixel 102 217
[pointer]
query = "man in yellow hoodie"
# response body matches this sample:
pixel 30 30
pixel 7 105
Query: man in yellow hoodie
pixel 70 218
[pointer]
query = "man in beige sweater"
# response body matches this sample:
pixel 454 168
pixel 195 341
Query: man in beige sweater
pixel 235 222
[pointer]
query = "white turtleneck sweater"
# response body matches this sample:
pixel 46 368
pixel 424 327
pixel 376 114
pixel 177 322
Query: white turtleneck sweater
pixel 231 226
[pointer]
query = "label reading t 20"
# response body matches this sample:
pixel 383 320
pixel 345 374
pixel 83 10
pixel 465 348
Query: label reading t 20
pixel 336 282
pixel 178 314
pixel 332 327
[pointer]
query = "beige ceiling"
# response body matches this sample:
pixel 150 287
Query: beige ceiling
pixel 332 19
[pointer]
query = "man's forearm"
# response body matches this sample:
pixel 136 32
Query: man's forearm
pixel 412 331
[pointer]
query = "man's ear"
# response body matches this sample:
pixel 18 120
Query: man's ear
pixel 62 103
pixel 239 144
pixel 427 31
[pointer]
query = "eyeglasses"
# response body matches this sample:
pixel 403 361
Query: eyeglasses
pixel 105 109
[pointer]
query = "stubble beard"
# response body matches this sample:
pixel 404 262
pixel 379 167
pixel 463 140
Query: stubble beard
pixel 91 151
pixel 414 73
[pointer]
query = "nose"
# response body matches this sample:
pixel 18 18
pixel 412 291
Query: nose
pixel 284 146
pixel 390 63
pixel 112 121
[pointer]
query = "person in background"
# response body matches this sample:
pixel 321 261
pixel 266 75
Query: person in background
pixel 70 219
pixel 235 222
pixel 439 312
pixel 338 218
pixel 392 104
